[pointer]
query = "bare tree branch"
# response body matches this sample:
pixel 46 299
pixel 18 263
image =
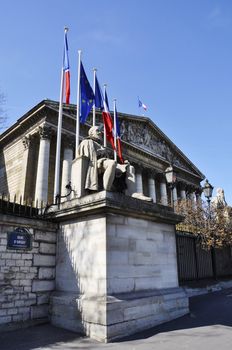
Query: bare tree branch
pixel 212 225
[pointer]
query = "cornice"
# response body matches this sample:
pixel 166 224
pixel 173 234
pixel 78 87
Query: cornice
pixel 105 203
pixel 42 113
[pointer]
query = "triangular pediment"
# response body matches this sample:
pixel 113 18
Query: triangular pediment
pixel 144 134
pixel 139 132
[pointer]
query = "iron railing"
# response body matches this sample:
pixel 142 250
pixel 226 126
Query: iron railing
pixel 196 263
pixel 19 207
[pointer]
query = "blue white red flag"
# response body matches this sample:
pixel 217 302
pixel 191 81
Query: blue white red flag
pixel 87 96
pixel 118 137
pixel 66 69
pixel 141 104
pixel 108 123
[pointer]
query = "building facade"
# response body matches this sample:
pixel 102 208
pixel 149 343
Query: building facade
pixel 104 264
pixel 28 151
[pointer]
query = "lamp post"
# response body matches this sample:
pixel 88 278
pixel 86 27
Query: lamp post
pixel 171 179
pixel 208 191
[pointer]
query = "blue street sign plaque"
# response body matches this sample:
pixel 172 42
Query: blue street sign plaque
pixel 20 238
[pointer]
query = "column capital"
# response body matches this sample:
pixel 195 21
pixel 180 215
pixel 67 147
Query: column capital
pixel 68 141
pixel 138 167
pixel 151 172
pixel 26 140
pixel 161 177
pixel 182 185
pixel 45 132
pixel 198 191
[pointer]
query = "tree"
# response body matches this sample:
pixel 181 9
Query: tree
pixel 212 225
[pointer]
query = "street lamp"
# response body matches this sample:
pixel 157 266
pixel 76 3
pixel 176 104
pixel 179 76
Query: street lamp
pixel 208 191
pixel 171 179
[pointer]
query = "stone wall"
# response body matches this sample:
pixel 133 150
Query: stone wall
pixel 3 176
pixel 116 270
pixel 81 257
pixel 12 160
pixel 141 255
pixel 136 255
pixel 27 277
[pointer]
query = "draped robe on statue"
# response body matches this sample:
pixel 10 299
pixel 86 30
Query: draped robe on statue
pixel 92 150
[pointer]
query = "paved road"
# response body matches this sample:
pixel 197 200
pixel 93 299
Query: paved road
pixel 208 326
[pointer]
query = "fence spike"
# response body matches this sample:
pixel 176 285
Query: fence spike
pixel 31 207
pixel 14 203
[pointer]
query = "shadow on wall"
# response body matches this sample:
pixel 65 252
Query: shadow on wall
pixel 4 189
pixel 80 271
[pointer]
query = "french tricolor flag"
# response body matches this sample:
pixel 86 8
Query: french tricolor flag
pixel 66 69
pixel 141 104
pixel 117 134
pixel 108 123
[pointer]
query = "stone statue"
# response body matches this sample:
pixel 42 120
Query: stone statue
pixel 99 163
pixel 219 200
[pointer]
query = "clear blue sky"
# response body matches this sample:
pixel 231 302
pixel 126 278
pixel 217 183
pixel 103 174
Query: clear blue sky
pixel 175 54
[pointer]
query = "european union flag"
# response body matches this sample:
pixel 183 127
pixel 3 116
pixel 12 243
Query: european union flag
pixel 87 96
pixel 98 95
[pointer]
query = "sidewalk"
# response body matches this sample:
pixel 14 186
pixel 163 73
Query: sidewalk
pixel 208 326
pixel 204 287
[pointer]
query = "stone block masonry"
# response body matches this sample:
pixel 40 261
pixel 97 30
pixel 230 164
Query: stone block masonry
pixel 116 267
pixel 27 276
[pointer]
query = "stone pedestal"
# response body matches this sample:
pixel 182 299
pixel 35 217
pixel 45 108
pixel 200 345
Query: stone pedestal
pixel 78 175
pixel 116 270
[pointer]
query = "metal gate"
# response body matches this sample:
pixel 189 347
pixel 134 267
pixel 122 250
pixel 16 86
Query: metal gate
pixel 195 263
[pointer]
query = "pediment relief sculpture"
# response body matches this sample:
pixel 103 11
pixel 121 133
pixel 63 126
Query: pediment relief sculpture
pixel 141 135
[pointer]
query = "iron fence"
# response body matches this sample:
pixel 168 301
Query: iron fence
pixel 196 263
pixel 19 207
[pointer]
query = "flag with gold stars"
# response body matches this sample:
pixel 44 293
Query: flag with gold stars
pixel 86 96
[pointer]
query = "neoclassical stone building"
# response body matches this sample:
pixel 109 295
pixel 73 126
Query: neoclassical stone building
pixel 28 150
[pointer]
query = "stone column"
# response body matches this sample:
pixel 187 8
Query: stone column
pixel 130 180
pixel 174 194
pixel 183 193
pixel 139 180
pixel 198 196
pixel 41 188
pixel 163 193
pixel 151 186
pixel 192 196
pixel 67 165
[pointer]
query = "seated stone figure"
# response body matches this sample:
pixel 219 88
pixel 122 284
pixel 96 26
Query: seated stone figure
pixel 98 163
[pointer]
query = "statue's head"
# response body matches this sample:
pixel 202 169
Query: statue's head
pixel 95 132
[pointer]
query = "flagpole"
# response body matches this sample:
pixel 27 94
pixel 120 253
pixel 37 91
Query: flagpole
pixel 58 137
pixel 94 90
pixel 104 123
pixel 78 102
pixel 139 112
pixel 115 132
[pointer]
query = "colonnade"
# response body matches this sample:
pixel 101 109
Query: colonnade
pixel 156 185
pixel 44 163
pixel 159 190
